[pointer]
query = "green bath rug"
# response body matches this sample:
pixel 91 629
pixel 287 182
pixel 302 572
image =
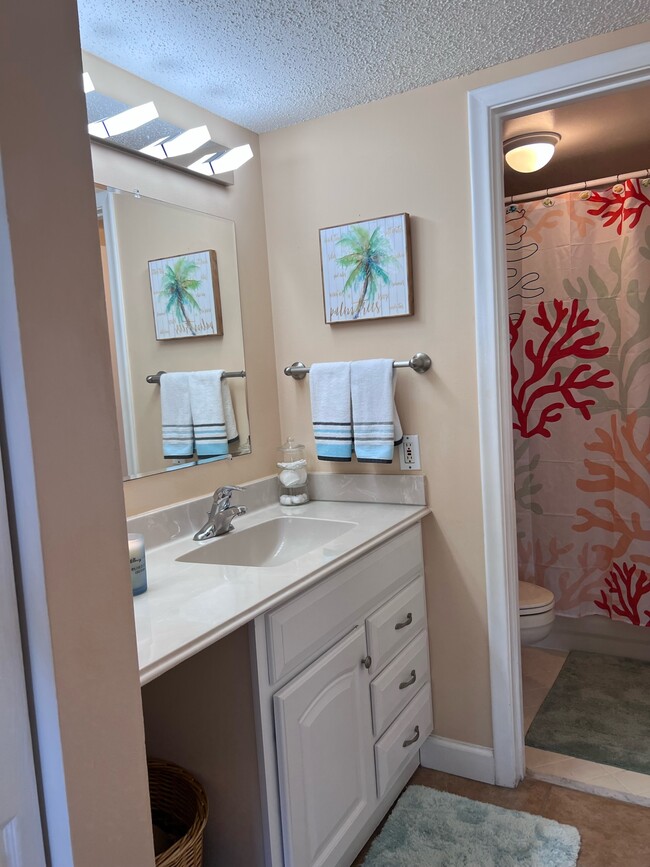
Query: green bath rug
pixel 428 828
pixel 598 709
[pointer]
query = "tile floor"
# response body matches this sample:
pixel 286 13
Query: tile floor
pixel 540 667
pixel 612 834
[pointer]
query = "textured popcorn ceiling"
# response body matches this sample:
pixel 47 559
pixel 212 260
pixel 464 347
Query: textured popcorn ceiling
pixel 270 63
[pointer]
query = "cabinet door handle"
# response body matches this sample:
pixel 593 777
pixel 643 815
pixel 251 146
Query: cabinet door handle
pixel 407 622
pixel 408 682
pixel 366 661
pixel 409 741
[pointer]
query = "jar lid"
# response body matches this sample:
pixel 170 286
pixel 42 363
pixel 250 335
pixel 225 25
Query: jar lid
pixel 291 450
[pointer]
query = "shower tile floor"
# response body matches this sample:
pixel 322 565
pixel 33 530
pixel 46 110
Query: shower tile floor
pixel 540 667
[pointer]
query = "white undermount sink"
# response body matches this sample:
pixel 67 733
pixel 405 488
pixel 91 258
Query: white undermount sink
pixel 271 543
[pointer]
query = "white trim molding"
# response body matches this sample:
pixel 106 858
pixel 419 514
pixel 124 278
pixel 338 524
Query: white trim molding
pixel 456 757
pixel 488 108
pixel 596 634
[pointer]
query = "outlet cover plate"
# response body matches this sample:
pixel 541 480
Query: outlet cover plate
pixel 409 452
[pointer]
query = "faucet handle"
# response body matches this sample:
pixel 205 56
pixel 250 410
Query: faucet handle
pixel 223 495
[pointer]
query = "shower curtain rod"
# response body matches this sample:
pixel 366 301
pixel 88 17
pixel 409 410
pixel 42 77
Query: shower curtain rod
pixel 570 188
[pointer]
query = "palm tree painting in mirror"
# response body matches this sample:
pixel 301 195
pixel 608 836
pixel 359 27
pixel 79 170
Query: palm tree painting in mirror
pixel 185 294
pixel 366 269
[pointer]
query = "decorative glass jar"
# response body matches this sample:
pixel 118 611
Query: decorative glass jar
pixel 293 474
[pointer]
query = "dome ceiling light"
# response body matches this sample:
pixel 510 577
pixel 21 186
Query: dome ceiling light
pixel 531 151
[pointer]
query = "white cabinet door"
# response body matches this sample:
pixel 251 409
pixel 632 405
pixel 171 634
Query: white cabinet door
pixel 325 755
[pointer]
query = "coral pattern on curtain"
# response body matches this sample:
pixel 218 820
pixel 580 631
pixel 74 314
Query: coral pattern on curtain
pixel 579 302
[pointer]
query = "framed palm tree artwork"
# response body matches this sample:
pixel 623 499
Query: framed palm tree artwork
pixel 185 294
pixel 366 269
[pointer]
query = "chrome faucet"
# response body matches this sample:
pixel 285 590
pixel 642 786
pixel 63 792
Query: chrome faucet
pixel 220 515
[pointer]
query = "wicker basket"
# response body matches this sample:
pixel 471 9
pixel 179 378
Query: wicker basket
pixel 180 808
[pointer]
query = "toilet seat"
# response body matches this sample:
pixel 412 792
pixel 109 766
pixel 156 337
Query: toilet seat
pixel 534 600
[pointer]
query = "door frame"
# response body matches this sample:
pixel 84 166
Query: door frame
pixel 488 108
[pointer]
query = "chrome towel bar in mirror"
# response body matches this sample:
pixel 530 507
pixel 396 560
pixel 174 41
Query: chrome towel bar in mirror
pixel 154 378
pixel 420 363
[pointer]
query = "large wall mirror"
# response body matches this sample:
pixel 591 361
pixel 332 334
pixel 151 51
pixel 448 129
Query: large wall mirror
pixel 172 293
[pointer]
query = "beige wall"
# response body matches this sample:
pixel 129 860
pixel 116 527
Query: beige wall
pixel 243 204
pixel 62 448
pixel 406 153
pixel 146 230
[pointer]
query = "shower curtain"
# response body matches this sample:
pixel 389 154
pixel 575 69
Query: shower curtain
pixel 579 304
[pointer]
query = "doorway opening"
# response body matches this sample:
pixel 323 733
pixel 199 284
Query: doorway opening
pixel 489 110
pixel 578 285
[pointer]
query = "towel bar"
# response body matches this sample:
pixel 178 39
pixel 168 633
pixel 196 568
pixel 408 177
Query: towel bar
pixel 154 378
pixel 419 363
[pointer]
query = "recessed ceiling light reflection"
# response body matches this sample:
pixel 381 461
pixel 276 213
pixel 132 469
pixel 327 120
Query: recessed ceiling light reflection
pixel 185 143
pixel 123 122
pixel 218 163
pixel 231 160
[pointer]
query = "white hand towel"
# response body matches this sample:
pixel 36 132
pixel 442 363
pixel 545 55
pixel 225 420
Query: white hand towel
pixel 207 413
pixel 176 416
pixel 232 434
pixel 373 410
pixel 329 385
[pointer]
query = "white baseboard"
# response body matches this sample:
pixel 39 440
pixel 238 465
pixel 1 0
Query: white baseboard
pixel 458 758
pixel 599 635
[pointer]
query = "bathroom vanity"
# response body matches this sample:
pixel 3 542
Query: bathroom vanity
pixel 344 702
pixel 339 652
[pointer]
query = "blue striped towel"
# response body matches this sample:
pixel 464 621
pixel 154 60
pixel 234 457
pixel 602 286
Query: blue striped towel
pixel 208 416
pixel 177 433
pixel 331 410
pixel 375 428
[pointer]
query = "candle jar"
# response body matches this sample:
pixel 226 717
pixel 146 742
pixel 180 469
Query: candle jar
pixel 293 474
pixel 138 563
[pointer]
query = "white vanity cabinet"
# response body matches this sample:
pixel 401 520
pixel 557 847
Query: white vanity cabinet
pixel 343 704
pixel 326 774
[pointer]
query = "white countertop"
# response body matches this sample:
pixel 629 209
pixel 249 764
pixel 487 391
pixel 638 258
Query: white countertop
pixel 189 606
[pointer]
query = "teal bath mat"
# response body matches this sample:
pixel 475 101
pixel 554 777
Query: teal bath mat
pixel 598 709
pixel 429 828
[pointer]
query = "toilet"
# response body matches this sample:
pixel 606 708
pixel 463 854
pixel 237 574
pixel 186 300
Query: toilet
pixel 536 612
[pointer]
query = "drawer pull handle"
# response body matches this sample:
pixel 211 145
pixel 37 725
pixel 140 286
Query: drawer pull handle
pixel 408 682
pixel 366 661
pixel 407 622
pixel 409 741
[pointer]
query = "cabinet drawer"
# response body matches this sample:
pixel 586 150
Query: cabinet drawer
pixel 399 682
pixel 394 624
pixel 314 621
pixel 403 739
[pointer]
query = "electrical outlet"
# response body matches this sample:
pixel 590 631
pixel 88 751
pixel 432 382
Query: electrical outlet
pixel 409 452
